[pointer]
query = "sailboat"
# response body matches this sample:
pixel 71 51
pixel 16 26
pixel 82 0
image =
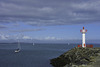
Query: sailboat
pixel 19 47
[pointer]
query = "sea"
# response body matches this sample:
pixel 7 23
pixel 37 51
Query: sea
pixel 37 55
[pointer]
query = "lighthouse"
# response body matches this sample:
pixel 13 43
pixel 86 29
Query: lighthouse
pixel 83 31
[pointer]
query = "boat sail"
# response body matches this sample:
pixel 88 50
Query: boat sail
pixel 19 48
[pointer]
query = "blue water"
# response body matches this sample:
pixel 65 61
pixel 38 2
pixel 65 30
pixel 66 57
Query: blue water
pixel 38 55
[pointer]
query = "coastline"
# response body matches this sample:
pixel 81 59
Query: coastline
pixel 78 57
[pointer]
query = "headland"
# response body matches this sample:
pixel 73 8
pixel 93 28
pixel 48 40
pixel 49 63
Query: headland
pixel 78 57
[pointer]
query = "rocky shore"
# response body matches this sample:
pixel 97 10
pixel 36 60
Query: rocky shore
pixel 78 57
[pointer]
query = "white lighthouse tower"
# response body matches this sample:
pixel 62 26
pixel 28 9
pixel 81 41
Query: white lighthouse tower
pixel 83 31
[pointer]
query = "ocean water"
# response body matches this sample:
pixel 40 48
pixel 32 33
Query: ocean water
pixel 37 55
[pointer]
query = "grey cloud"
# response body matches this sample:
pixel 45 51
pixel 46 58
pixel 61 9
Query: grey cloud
pixel 2 27
pixel 26 30
pixel 49 12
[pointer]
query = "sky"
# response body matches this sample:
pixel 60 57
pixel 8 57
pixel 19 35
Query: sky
pixel 49 19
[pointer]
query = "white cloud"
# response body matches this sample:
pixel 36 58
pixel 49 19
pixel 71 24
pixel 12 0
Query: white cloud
pixel 26 37
pixel 4 37
pixel 49 38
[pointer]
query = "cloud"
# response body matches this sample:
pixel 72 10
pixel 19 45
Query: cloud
pixel 49 38
pixel 4 37
pixel 49 12
pixel 26 30
pixel 26 37
pixel 2 27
